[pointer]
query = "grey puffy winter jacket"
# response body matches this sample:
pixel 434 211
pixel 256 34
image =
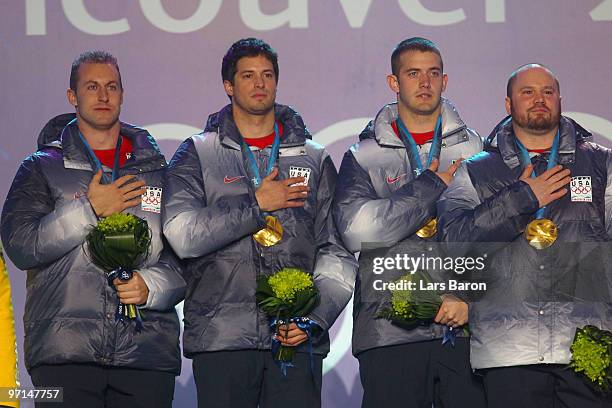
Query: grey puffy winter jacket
pixel 70 307
pixel 381 203
pixel 535 299
pixel 210 213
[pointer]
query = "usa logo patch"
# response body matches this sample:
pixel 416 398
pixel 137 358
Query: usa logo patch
pixel 151 200
pixel 295 171
pixel 581 189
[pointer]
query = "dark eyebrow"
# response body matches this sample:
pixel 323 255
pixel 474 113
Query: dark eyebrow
pixel 428 69
pixel 91 81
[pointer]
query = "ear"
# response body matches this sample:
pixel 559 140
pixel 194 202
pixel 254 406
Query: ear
pixel 508 106
pixel 72 98
pixel 393 83
pixel 229 88
pixel 444 81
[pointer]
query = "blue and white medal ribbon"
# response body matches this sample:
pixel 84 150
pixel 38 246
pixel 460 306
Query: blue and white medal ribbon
pixel 303 323
pixel 431 226
pixel 450 335
pixel 541 232
pixel 96 161
pixel 125 311
pixel 413 149
pixel 272 233
pixel 252 163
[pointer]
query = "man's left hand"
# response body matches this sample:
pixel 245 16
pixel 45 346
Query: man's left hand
pixel 133 291
pixel 291 336
pixel 453 312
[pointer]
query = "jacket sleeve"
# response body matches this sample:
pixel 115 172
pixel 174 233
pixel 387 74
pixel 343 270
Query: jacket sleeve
pixel 35 229
pixel 194 228
pixel 335 268
pixel 165 282
pixel 463 217
pixel 363 217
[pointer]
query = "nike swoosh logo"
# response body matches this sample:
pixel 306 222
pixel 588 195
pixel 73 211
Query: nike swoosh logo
pixel 391 180
pixel 228 180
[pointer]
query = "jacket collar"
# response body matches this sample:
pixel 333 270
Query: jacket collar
pixel 295 132
pixel 383 132
pixel 62 132
pixel 502 137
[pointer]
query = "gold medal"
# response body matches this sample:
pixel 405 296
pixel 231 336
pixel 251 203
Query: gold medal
pixel 541 233
pixel 271 234
pixel 429 229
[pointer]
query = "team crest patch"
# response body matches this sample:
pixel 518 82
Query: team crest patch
pixel 295 171
pixel 151 200
pixel 581 189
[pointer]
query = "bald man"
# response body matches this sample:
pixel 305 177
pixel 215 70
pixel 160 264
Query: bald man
pixel 539 200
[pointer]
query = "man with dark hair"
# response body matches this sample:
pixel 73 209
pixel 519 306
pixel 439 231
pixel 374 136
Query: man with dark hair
pixel 89 166
pixel 248 47
pixel 245 198
pixel 413 44
pixel 385 199
pixel 541 193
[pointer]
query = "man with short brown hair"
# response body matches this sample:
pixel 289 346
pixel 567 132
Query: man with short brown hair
pixel 254 162
pixel 386 197
pixel 89 165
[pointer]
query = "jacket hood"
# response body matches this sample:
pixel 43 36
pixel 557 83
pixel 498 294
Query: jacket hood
pixel 50 134
pixel 380 128
pixel 62 132
pixel 294 129
pixel 502 138
pixel 581 133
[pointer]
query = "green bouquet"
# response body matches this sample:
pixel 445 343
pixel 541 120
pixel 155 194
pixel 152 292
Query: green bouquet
pixel 119 244
pixel 287 297
pixel 591 355
pixel 410 307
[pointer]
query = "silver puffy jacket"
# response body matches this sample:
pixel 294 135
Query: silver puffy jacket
pixel 535 299
pixel 382 203
pixel 70 308
pixel 210 213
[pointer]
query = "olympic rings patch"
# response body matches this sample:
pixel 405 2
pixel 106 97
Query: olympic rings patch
pixel 151 199
pixel 581 189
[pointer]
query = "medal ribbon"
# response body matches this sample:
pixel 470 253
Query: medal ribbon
pixel 96 161
pixel 125 311
pixel 303 323
pixel 553 157
pixel 252 163
pixel 413 150
pixel 450 335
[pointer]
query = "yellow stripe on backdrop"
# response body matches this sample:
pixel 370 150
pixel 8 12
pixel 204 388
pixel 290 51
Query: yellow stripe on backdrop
pixel 8 345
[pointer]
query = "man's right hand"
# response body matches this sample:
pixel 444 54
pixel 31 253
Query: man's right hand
pixel 548 186
pixel 276 194
pixel 108 199
pixel 447 175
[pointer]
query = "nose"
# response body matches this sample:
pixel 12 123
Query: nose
pixel 259 81
pixel 102 94
pixel 424 81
